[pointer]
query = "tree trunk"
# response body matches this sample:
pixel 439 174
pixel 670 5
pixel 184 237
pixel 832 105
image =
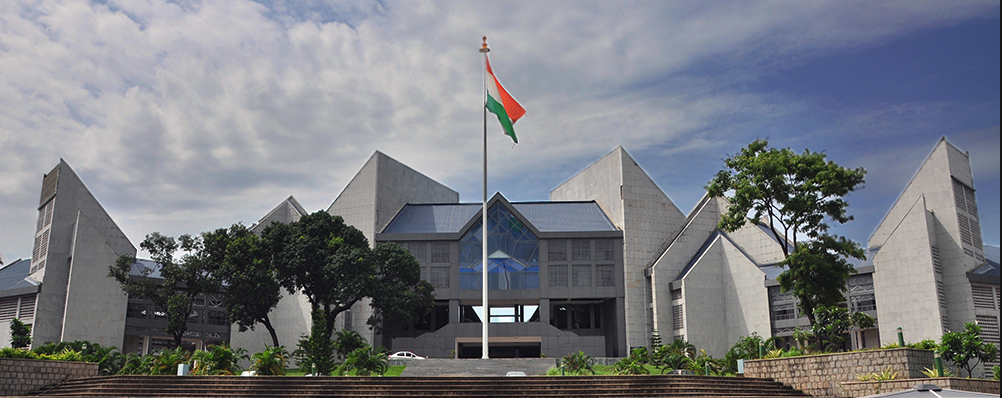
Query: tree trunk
pixel 271 330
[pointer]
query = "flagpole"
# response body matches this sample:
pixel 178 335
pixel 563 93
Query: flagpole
pixel 483 227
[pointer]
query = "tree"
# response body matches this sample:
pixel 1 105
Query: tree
pixel 244 266
pixel 833 322
pixel 316 350
pixel 327 260
pixel 20 334
pixel 171 285
pixel 795 194
pixel 966 348
pixel 332 264
pixel 399 297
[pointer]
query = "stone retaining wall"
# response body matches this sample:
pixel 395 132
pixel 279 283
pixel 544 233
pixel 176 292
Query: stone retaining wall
pixel 822 375
pixel 864 388
pixel 19 376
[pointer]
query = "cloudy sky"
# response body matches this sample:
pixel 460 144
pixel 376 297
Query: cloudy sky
pixel 186 116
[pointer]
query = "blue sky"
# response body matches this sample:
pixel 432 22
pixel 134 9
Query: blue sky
pixel 187 116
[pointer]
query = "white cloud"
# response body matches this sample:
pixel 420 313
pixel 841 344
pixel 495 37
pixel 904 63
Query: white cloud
pixel 186 116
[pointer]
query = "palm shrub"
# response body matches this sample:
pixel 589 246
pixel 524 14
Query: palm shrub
pixel 704 364
pixel 109 359
pixel 346 341
pixel 676 355
pixel 165 362
pixel 218 360
pixel 271 361
pixel 633 364
pixel 578 363
pixel 137 365
pixel 365 361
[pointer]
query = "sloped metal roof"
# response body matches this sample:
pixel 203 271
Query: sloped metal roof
pixel 544 216
pixel 989 268
pixel 432 218
pixel 565 216
pixel 14 275
pixel 140 264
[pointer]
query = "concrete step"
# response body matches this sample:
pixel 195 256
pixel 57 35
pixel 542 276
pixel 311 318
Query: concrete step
pixel 482 386
pixel 475 367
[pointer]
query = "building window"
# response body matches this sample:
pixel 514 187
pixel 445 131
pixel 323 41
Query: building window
pixel 576 316
pixel 440 277
pixel 513 261
pixel 557 250
pixel 27 310
pixel 606 275
pixel 581 250
pixel 676 294
pixel 440 252
pixel 581 275
pixel 866 302
pixel 419 250
pixel 558 275
pixel 8 309
pixel 983 297
pixel 605 250
pixel 860 283
pixel 676 317
pixel 216 301
pixel 989 333
pixel 138 311
pixel 347 319
pixel 217 318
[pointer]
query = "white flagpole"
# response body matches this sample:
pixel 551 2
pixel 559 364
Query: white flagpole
pixel 483 243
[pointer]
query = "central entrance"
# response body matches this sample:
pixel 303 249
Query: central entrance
pixel 500 347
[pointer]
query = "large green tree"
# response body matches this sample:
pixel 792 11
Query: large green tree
pixel 399 297
pixel 244 265
pixel 331 263
pixel 170 284
pixel 795 195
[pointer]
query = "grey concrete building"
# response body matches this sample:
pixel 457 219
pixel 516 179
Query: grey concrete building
pixel 606 262
pixel 555 278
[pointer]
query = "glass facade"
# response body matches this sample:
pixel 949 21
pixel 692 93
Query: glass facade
pixel 513 254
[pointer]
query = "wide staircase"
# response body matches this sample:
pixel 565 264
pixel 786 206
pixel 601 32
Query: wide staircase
pixel 441 386
pixel 474 367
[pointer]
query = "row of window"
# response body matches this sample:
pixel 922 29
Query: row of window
pixel 584 275
pixel 146 311
pixel 22 308
pixel 559 250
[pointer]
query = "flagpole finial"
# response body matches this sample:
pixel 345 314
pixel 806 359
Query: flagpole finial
pixel 483 48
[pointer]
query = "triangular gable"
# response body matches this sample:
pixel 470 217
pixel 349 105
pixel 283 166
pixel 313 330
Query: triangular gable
pixel 498 198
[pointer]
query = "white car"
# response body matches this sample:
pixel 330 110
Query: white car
pixel 405 355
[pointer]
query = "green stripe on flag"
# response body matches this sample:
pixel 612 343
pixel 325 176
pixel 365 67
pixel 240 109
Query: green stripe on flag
pixel 496 108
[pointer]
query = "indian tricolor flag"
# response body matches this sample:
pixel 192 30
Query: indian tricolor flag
pixel 500 103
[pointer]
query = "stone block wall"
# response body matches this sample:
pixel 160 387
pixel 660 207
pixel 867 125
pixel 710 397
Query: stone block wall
pixel 20 376
pixel 822 375
pixel 864 388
